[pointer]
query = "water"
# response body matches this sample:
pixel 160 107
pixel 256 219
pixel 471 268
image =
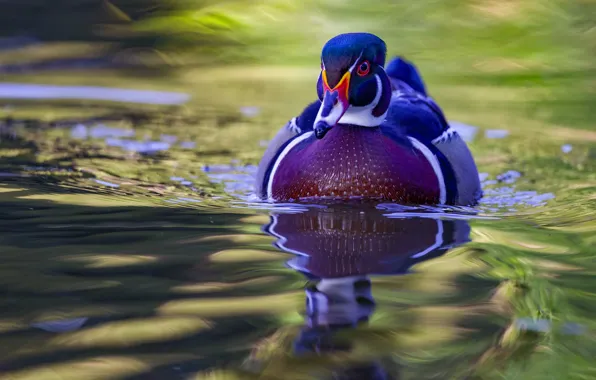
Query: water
pixel 135 250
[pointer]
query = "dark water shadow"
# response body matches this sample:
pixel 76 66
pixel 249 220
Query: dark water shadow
pixel 41 275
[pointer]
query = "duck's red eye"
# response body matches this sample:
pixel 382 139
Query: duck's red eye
pixel 364 68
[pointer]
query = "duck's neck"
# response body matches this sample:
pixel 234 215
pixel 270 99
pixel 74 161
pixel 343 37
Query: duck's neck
pixel 368 116
pixel 362 116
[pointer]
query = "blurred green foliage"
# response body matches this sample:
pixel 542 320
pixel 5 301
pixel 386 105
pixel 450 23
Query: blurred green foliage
pixel 543 46
pixel 448 34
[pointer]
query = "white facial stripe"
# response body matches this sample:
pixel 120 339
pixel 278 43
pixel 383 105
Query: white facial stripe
pixel 434 162
pixel 362 116
pixel 356 62
pixel 330 119
pixel 281 156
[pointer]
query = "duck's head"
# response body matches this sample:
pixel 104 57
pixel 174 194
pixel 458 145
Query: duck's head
pixel 353 86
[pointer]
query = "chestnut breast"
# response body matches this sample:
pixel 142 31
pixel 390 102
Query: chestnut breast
pixel 353 161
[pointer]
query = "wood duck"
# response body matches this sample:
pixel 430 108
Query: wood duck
pixel 374 133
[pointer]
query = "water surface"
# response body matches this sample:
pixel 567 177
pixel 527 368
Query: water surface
pixel 132 248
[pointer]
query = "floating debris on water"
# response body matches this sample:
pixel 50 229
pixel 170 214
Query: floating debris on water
pixel 192 200
pixel 46 169
pixel 543 325
pixel 222 177
pixel 40 91
pixel 102 131
pixel 17 42
pixel 567 148
pixel 217 168
pixel 496 133
pixel 467 132
pixel 106 183
pixel 188 145
pixel 8 174
pixel 398 211
pixel 223 168
pixel 252 169
pixel 62 325
pixel 175 201
pixel 238 180
pixel 507 197
pixel 170 139
pixel 571 328
pixel 79 132
pixel 250 111
pixel 509 176
pixel 181 180
pixel 138 146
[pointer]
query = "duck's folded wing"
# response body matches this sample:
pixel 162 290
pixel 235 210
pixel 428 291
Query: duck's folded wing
pixel 285 134
pixel 400 69
pixel 293 128
pixel 423 120
pixel 456 151
pixel 415 117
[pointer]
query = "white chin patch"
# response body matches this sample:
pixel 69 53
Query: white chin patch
pixel 333 115
pixel 362 116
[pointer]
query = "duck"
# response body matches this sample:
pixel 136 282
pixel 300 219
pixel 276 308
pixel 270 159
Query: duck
pixel 374 133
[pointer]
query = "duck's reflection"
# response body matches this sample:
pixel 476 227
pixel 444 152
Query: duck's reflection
pixel 338 249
